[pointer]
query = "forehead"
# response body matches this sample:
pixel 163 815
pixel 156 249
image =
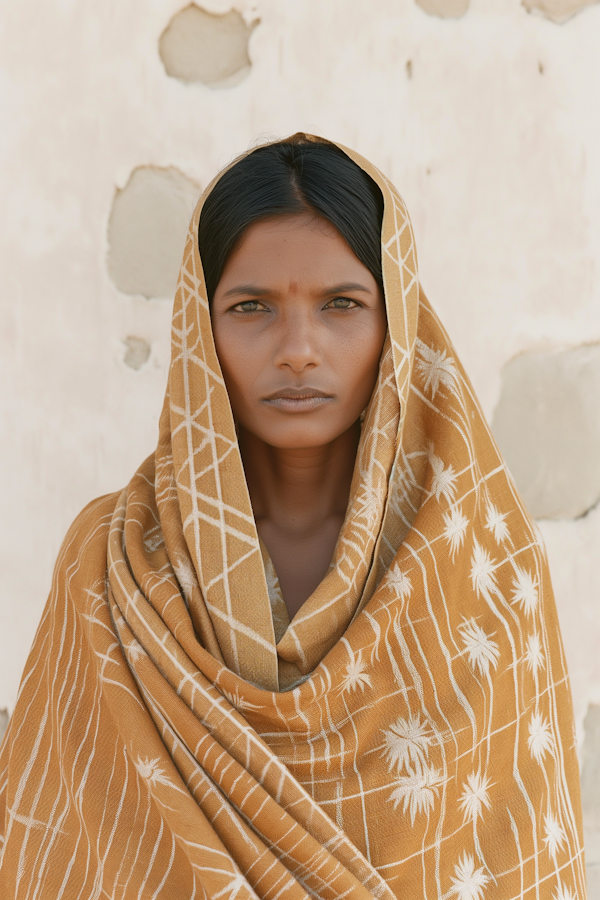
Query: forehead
pixel 305 246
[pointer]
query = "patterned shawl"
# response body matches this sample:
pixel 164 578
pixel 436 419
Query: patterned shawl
pixel 408 735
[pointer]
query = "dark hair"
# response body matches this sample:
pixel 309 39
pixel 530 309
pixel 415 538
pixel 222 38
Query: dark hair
pixel 288 178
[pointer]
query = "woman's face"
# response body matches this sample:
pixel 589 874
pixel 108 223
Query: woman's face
pixel 299 324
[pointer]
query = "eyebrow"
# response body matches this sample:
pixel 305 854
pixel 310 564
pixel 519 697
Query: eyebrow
pixel 348 286
pixel 254 290
pixel 251 289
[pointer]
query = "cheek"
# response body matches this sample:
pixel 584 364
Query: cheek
pixel 243 362
pixel 358 360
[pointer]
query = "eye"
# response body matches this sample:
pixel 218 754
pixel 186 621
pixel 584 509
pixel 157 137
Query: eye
pixel 248 306
pixel 341 303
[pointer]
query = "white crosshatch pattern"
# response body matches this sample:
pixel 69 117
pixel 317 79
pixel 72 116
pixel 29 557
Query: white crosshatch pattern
pixel 409 735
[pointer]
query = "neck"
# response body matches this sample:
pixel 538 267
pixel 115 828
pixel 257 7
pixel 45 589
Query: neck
pixel 296 491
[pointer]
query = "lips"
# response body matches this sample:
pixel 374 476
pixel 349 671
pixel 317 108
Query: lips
pixel 298 399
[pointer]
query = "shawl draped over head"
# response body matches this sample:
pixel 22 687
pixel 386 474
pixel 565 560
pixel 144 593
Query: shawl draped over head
pixel 408 735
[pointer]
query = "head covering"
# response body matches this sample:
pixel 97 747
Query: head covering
pixel 409 734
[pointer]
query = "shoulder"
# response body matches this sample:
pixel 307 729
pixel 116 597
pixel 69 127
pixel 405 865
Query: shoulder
pixel 96 514
pixel 88 534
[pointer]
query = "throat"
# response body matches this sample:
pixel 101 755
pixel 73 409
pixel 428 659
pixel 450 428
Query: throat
pixel 299 499
pixel 301 560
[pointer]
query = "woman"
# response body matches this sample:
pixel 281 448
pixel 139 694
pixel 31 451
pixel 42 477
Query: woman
pixel 311 650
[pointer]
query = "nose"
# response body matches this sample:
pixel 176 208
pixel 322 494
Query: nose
pixel 298 346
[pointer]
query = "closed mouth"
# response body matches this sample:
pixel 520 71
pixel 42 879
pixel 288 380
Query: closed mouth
pixel 297 399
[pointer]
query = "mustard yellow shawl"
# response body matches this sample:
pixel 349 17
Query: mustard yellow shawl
pixel 409 734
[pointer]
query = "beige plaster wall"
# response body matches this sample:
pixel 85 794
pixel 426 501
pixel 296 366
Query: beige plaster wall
pixel 484 113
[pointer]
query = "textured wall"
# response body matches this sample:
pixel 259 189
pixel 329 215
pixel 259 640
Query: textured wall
pixel 114 116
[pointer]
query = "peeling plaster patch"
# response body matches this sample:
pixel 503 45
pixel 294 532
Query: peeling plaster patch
pixel 445 9
pixel 147 230
pixel 547 427
pixel 3 722
pixel 202 46
pixel 137 352
pixel 590 794
pixel 557 10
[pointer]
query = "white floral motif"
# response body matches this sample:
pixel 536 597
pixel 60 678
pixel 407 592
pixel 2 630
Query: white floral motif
pixel 356 677
pixel 236 700
pixel 150 771
pixel 407 742
pixel 456 526
pixel 153 539
pixel 186 577
pixel 368 505
pixel 416 791
pixel 444 479
pixel 482 570
pixel 400 582
pixel 436 368
pixel 481 650
pixel 134 650
pixel 496 524
pixel 540 737
pixel 235 886
pixel 469 883
pixel 534 656
pixel 564 893
pixel 475 796
pixel 555 835
pixel 525 591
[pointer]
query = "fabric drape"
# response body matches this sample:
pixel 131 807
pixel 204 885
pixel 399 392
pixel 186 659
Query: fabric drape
pixel 409 734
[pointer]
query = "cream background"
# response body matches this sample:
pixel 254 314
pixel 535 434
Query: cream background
pixel 489 126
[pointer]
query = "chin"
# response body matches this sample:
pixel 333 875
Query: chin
pixel 301 437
